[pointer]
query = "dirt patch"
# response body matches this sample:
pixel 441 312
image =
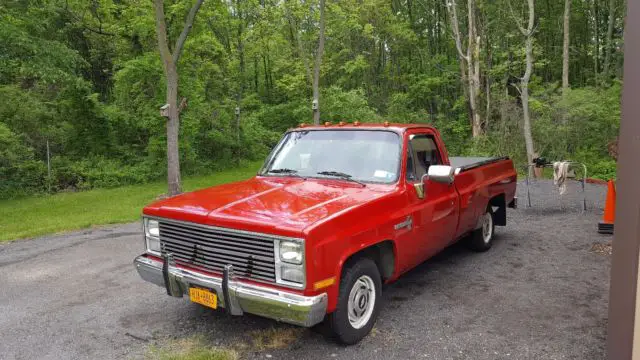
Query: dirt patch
pixel 274 338
pixel 602 248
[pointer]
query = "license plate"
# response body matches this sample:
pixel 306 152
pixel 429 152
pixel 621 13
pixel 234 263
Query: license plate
pixel 203 297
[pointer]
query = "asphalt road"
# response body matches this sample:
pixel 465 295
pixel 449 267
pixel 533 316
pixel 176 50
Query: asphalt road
pixel 539 293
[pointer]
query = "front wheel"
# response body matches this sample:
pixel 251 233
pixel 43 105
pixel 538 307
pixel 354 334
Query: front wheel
pixel 358 302
pixel 481 239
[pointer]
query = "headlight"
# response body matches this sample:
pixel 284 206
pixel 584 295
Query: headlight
pixel 290 263
pixel 152 235
pixel 291 252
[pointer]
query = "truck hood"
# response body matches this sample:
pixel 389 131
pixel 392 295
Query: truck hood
pixel 267 204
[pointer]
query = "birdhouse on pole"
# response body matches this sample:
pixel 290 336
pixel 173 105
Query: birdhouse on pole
pixel 164 110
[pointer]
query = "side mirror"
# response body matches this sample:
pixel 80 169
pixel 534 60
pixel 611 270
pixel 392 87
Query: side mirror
pixel 443 174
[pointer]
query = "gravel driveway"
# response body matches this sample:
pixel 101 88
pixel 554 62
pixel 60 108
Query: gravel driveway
pixel 539 293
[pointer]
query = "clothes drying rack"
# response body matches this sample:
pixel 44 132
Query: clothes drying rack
pixel 572 165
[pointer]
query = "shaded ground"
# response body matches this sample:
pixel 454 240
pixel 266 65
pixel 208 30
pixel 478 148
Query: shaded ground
pixel 539 293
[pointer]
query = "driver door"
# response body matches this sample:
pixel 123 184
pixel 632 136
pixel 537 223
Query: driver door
pixel 435 215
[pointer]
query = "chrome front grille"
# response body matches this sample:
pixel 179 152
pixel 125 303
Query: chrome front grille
pixel 209 247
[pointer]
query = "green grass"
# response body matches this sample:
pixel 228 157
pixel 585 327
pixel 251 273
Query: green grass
pixel 193 348
pixel 199 354
pixel 35 216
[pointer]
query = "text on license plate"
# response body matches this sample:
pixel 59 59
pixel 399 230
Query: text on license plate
pixel 203 297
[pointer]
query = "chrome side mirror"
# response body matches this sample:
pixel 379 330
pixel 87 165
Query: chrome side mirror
pixel 443 174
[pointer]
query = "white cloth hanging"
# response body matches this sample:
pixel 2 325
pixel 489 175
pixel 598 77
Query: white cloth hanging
pixel 560 172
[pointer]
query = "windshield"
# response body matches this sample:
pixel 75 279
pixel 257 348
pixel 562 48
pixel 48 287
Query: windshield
pixel 360 155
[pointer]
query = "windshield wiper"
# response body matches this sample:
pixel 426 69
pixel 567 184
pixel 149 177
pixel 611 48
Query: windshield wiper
pixel 290 172
pixel 341 175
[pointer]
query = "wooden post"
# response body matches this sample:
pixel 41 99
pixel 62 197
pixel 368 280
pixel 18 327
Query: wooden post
pixel 623 338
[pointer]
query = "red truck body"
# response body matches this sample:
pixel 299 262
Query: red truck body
pixel 338 218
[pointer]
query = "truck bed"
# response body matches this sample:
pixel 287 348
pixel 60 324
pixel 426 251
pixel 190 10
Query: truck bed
pixel 467 163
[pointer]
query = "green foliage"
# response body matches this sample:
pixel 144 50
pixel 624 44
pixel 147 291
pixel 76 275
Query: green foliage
pixel 86 77
pixel 19 172
pixel 340 105
pixel 574 127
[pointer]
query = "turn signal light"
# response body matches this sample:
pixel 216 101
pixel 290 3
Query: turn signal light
pixel 324 283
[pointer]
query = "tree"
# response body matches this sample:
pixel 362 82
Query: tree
pixel 609 45
pixel 524 81
pixel 316 66
pixel 241 67
pixel 170 66
pixel 596 43
pixel 86 76
pixel 565 47
pixel 472 59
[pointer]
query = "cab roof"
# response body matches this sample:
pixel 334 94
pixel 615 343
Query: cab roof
pixel 397 127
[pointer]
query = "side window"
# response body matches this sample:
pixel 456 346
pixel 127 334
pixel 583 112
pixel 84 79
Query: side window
pixel 424 153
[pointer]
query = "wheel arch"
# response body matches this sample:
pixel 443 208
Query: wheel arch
pixel 498 204
pixel 383 253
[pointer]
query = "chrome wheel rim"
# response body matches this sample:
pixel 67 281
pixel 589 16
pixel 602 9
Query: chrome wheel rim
pixel 487 227
pixel 362 299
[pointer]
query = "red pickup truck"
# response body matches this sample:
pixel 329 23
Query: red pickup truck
pixel 335 212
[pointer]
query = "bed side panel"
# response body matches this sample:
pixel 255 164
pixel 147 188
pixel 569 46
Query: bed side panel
pixel 476 186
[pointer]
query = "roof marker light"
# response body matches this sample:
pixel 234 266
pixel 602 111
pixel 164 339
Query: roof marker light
pixel 386 123
pixel 356 123
pixel 327 123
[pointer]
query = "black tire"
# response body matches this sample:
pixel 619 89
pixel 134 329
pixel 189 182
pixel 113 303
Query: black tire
pixel 338 321
pixel 479 240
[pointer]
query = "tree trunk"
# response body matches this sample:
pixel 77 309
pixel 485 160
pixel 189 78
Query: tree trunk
pixel 462 59
pixel 609 44
pixel 470 79
pixel 170 67
pixel 524 81
pixel 241 71
pixel 488 81
pixel 256 83
pixel 565 47
pixel 173 129
pixel 473 56
pixel 596 44
pixel 524 88
pixel 316 68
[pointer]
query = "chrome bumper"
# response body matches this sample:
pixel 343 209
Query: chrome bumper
pixel 236 297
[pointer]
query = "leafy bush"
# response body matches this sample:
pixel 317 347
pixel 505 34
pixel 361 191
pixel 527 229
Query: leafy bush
pixel 20 172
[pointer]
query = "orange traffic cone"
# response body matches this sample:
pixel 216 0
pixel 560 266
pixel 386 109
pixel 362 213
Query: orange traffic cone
pixel 606 225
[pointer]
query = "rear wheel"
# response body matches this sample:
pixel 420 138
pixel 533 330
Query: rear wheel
pixel 481 239
pixel 358 302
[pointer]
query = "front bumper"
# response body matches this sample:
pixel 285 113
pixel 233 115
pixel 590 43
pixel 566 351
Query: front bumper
pixel 235 296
